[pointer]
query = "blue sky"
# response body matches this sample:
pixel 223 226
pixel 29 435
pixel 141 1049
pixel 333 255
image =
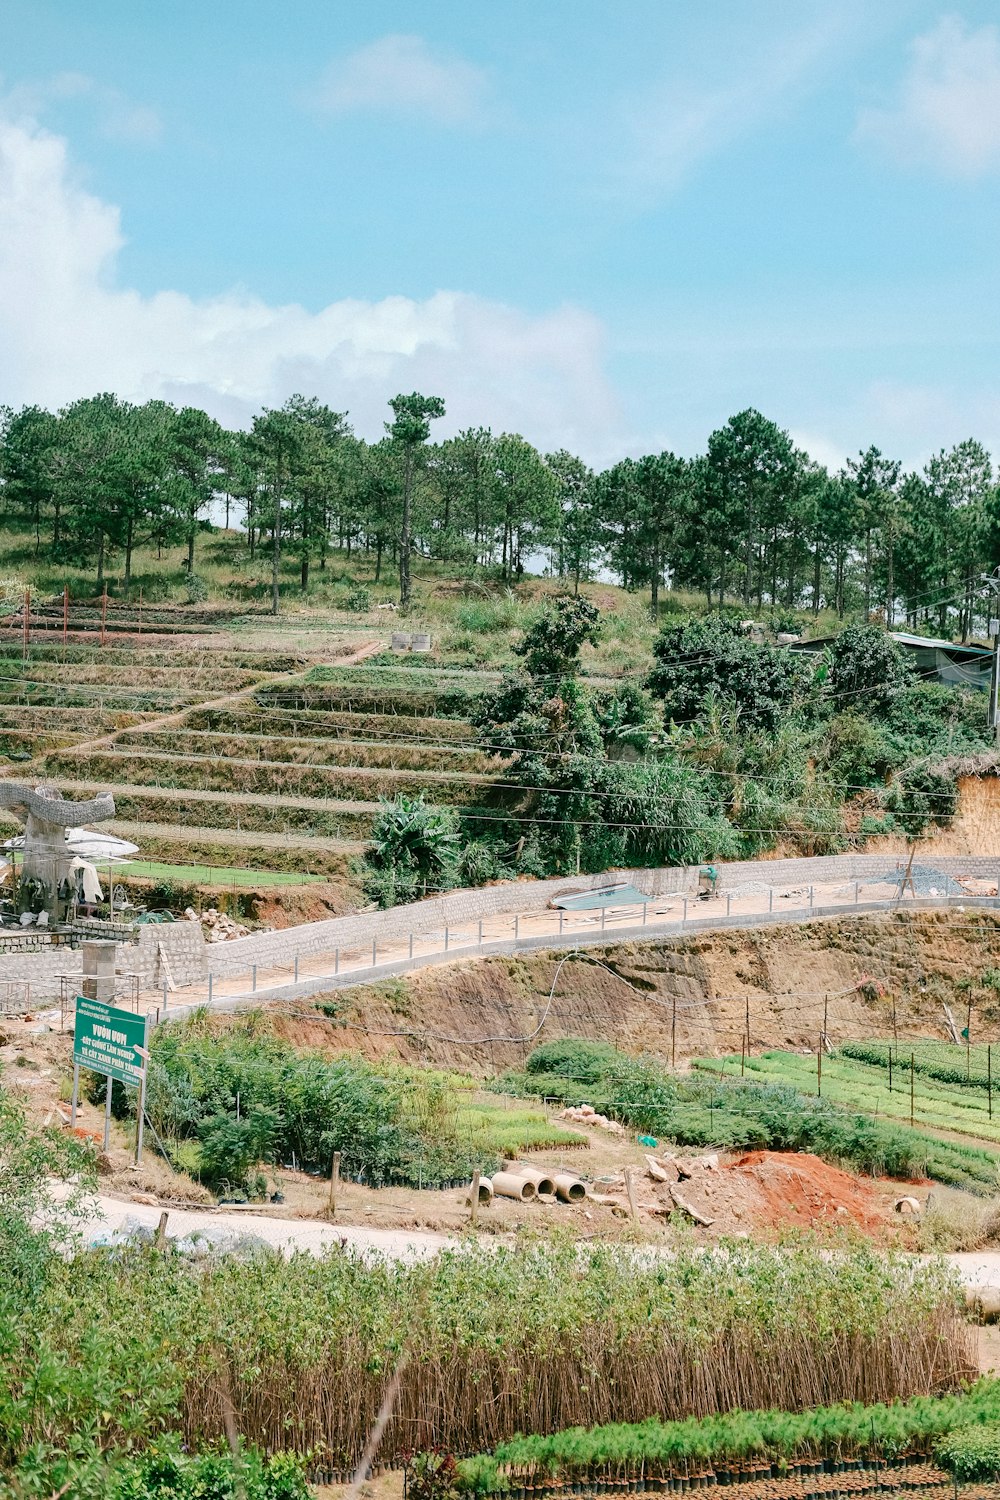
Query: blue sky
pixel 606 224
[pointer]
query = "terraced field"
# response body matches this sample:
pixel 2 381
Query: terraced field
pixel 241 760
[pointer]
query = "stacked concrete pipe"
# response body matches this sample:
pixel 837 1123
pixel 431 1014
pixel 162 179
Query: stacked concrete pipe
pixel 513 1185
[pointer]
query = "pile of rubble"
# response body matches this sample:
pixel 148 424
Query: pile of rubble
pixel 583 1114
pixel 217 926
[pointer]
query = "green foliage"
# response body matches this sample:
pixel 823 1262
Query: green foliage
pixel 858 752
pixel 229 1100
pixel 551 646
pixel 196 589
pixel 655 1449
pixel 573 1057
pixel 136 1340
pixel 414 849
pixel 166 1472
pixel 626 719
pixel 359 600
pixel 850 1085
pixel 712 659
pixel 755 1114
pixel 867 669
pixel 923 794
pixel 972 1453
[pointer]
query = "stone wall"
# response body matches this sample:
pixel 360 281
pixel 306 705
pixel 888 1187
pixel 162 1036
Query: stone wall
pixel 190 960
pixel 275 949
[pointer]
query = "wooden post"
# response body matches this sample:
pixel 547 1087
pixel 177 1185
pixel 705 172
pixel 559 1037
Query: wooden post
pixel 65 613
pixel 826 1008
pixel 334 1182
pixel 989 1080
pixel 475 1198
pixel 104 614
pixel 743 1056
pixel 160 1237
pixel 139 636
pixel 748 1023
pixel 630 1190
pixel 968 1043
pixel 890 1070
pixel 913 1060
pixel 895 1033
pixel 819 1069
pixel 26 625
pixel 673 1032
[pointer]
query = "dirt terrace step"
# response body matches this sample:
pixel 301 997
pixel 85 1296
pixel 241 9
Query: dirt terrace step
pixel 122 755
pixel 87 789
pixel 234 838
pixel 410 755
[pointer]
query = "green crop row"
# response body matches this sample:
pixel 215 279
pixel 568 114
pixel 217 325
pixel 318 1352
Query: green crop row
pixel 951 1063
pixel 656 1450
pixel 172 675
pixel 861 1086
pixel 240 814
pixel 113 655
pixel 375 698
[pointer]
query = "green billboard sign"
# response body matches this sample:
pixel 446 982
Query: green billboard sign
pixel 107 1040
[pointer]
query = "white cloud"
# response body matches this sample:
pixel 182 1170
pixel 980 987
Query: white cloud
pixel 947 112
pixel 681 121
pixel 68 329
pixel 400 74
pixel 119 118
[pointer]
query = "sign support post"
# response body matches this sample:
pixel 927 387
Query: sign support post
pixel 141 1117
pixel 112 1042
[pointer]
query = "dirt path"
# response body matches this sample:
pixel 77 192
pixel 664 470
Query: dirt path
pixel 106 1216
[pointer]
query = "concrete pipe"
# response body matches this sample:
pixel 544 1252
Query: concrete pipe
pixel 485 1191
pixel 542 1181
pixel 511 1185
pixel 569 1189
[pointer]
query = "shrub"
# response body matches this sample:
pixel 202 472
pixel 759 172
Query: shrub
pixel 868 668
pixel 922 794
pixel 195 589
pixel 167 1473
pixel 359 600
pixel 971 1453
pixel 574 1058
pixel 708 659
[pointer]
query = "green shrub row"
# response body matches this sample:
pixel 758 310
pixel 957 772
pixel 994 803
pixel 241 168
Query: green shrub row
pixel 967 1422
